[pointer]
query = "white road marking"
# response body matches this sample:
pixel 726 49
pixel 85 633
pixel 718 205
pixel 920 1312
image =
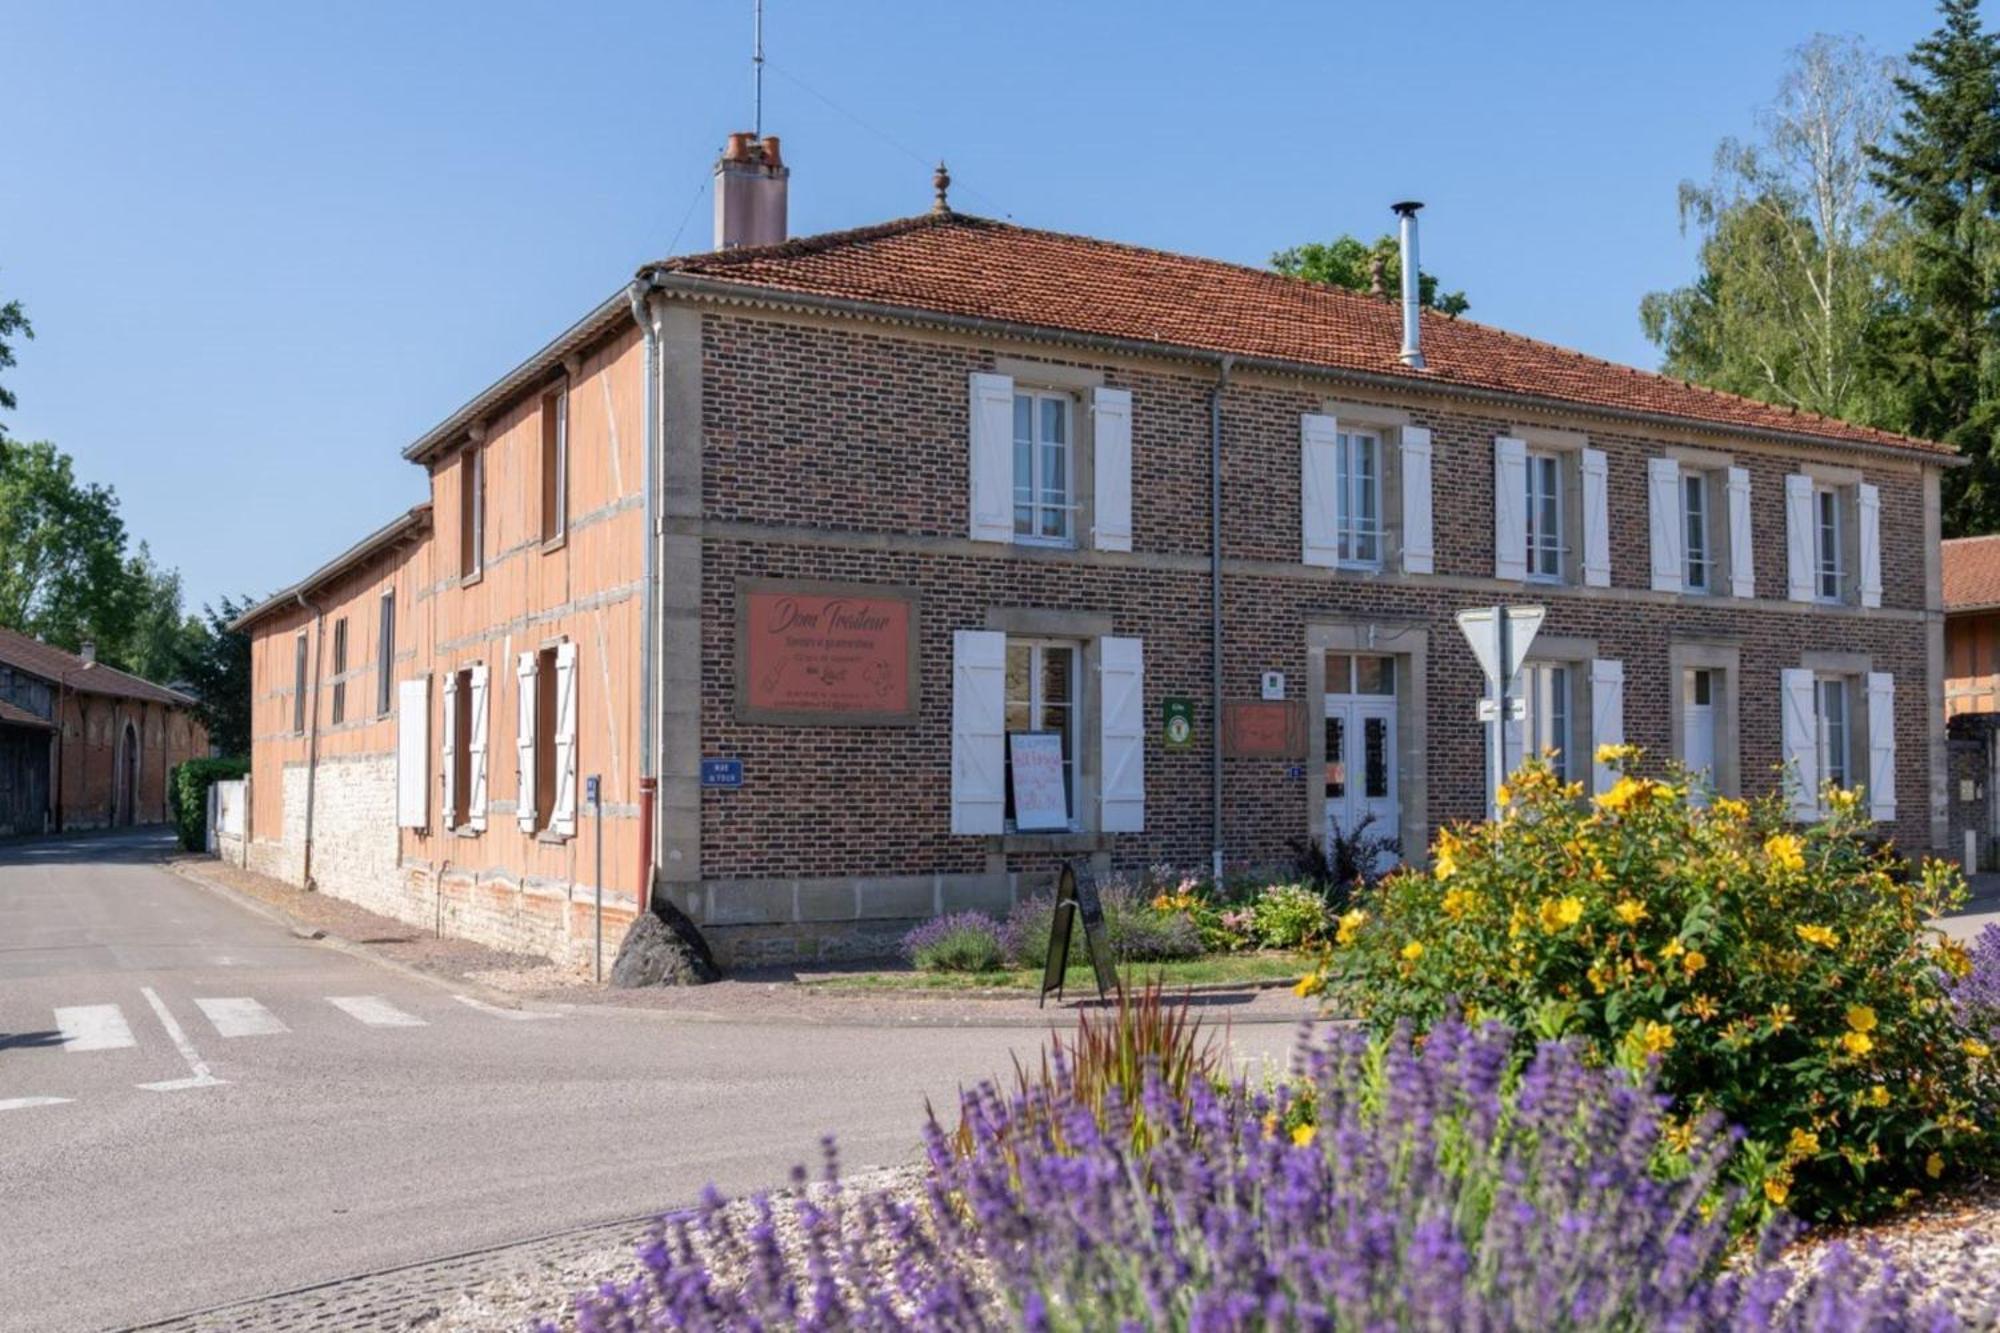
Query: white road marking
pixel 374 1011
pixel 241 1017
pixel 199 1077
pixel 517 1015
pixel 93 1027
pixel 23 1103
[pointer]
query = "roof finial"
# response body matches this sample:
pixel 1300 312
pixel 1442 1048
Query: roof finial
pixel 941 182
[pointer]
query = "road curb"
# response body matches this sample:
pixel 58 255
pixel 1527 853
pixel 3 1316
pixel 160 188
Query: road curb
pixel 188 868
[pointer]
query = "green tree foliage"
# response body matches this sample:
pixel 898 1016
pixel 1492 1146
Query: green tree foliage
pixel 1939 341
pixel 13 323
pixel 1792 248
pixel 1348 262
pixel 216 669
pixel 63 570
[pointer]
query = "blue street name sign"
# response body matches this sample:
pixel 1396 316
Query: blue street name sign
pixel 722 772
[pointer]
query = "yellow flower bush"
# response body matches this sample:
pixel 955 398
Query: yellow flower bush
pixel 1781 977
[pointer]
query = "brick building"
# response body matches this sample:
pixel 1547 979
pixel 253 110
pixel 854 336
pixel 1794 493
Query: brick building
pixel 941 592
pixel 84 745
pixel 1971 586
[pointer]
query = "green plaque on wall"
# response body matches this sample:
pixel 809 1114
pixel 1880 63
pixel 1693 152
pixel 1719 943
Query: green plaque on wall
pixel 1177 723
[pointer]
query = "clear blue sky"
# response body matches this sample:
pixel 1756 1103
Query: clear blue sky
pixel 265 246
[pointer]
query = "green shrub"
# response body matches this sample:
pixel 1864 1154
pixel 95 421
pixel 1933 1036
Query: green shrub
pixel 1289 916
pixel 189 787
pixel 1781 976
pixel 961 942
pixel 1136 930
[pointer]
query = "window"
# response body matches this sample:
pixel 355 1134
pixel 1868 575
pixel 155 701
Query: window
pixel 1545 517
pixel 555 464
pixel 1041 693
pixel 471 512
pixel 385 655
pixel 1043 469
pixel 1695 518
pixel 1546 730
pixel 299 687
pixel 1829 574
pixel 461 753
pixel 547 720
pixel 339 671
pixel 1358 504
pixel 1830 696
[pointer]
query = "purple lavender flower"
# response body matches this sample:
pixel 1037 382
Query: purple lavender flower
pixel 959 942
pixel 1976 995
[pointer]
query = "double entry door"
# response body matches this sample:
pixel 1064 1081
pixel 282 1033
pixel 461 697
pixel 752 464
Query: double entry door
pixel 1361 768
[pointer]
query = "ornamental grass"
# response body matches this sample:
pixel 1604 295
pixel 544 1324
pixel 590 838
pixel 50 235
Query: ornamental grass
pixel 1782 977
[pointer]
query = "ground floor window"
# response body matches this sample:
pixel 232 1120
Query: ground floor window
pixel 1041 696
pixel 1701 689
pixel 1546 728
pixel 460 701
pixel 1835 732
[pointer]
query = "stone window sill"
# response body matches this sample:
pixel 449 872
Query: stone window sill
pixel 1058 843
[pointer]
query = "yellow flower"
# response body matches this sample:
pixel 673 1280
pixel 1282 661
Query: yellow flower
pixel 1823 936
pixel 1624 793
pixel 1460 902
pixel 1804 1143
pixel 1302 1137
pixel 1413 951
pixel 1559 914
pixel 1350 926
pixel 1505 794
pixel 1861 1018
pixel 1630 910
pixel 1857 1044
pixel 1671 950
pixel 1786 851
pixel 1655 1037
pixel 1876 1096
pixel 1703 1008
pixel 1775 1190
pixel 1728 807
pixel 1976 1048
pixel 1953 957
pixel 1842 798
pixel 1311 984
pixel 1934 1166
pixel 1600 977
pixel 1695 961
pixel 1445 866
pixel 1616 754
pixel 1781 1017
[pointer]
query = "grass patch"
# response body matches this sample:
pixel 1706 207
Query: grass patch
pixel 1241 968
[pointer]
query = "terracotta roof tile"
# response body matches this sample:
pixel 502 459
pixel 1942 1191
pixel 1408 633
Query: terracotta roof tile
pixel 40 659
pixel 966 266
pixel 1971 573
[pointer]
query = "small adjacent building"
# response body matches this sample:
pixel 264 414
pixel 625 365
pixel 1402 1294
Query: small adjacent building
pixel 875 574
pixel 84 745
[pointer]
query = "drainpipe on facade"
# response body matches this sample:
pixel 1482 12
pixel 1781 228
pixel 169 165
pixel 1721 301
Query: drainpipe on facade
pixel 647 317
pixel 1222 367
pixel 312 740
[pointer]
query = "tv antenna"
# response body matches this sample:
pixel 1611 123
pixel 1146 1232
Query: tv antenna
pixel 757 73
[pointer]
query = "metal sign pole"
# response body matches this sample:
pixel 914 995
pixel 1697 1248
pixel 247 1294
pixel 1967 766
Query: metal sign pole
pixel 1496 730
pixel 597 810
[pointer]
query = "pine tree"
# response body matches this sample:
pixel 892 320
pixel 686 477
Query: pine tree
pixel 1939 341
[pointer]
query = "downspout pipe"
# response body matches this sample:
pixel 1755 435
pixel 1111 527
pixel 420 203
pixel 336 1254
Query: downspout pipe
pixel 646 314
pixel 312 738
pixel 1223 366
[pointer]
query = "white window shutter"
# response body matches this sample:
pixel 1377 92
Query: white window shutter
pixel 1881 746
pixel 475 805
pixel 1510 508
pixel 992 458
pixel 524 739
pixel 978 731
pixel 1111 473
pixel 1742 564
pixel 413 753
pixel 449 731
pixel 1663 492
pixel 563 816
pixel 1800 564
pixel 1868 507
pixel 1800 720
pixel 1596 472
pixel 1419 546
pixel 1122 734
pixel 1607 716
pixel 1319 488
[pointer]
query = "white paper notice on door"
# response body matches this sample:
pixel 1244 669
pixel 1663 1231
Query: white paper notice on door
pixel 1041 798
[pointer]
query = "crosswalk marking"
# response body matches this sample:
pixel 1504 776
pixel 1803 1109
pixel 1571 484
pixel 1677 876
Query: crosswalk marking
pixel 374 1011
pixel 515 1015
pixel 93 1027
pixel 23 1103
pixel 240 1016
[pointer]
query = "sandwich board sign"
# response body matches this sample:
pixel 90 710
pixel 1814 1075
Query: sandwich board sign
pixel 1500 636
pixel 1076 896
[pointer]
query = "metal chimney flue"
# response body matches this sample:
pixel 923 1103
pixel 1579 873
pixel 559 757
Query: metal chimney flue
pixel 1413 349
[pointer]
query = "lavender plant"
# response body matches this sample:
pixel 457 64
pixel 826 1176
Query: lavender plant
pixel 1975 986
pixel 1399 1187
pixel 1136 930
pixel 959 942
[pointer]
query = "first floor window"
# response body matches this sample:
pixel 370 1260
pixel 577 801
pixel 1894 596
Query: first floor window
pixel 385 655
pixel 1827 543
pixel 1358 503
pixel 339 671
pixel 1830 693
pixel 1043 468
pixel 1545 517
pixel 1694 513
pixel 1042 697
pixel 471 512
pixel 555 464
pixel 299 686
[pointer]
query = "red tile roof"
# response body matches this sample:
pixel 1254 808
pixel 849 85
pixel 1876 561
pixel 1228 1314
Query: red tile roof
pixel 1971 573
pixel 973 267
pixel 40 659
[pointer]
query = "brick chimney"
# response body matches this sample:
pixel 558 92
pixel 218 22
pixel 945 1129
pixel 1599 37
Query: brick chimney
pixel 750 182
pixel 88 652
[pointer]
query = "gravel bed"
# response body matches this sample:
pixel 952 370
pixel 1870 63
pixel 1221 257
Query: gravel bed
pixel 1950 1244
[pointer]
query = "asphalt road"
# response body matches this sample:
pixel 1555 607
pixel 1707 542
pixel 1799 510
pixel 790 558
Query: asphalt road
pixel 198 1107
